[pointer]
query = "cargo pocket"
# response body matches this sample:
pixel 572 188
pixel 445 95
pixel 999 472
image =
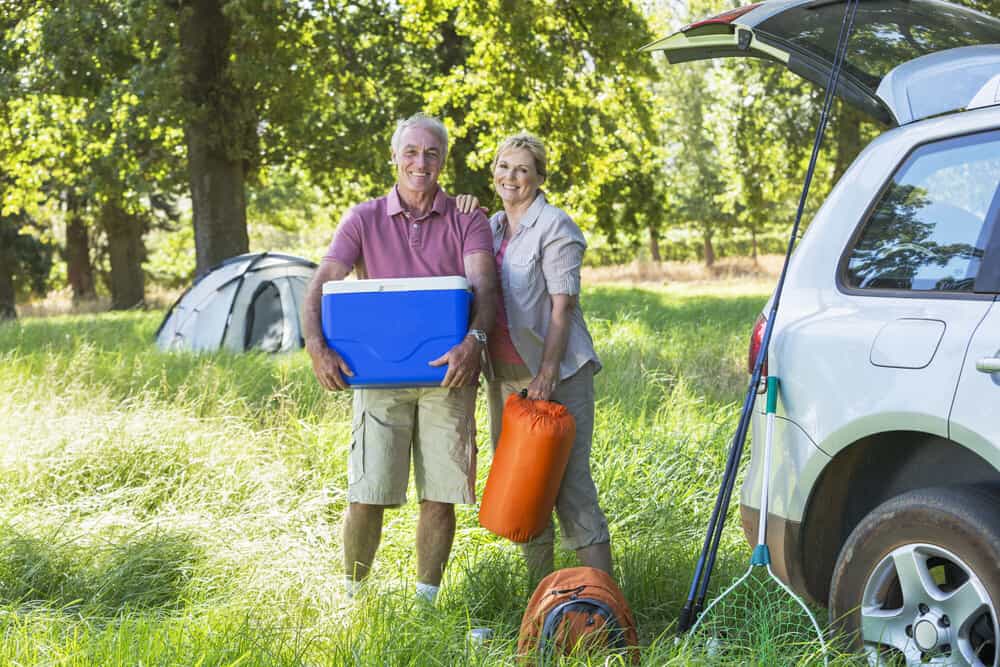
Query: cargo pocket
pixel 463 455
pixel 387 453
pixel 462 429
pixel 356 458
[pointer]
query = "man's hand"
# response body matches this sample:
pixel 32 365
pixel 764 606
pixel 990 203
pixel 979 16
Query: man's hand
pixel 463 363
pixel 466 203
pixel 328 366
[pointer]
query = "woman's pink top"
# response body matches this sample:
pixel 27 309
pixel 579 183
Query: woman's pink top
pixel 500 345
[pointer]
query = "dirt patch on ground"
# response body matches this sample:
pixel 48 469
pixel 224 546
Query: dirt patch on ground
pixel 727 269
pixel 60 302
pixel 726 275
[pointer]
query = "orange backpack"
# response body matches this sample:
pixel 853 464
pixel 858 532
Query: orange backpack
pixel 535 441
pixel 574 609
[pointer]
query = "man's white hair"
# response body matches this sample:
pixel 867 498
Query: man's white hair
pixel 421 120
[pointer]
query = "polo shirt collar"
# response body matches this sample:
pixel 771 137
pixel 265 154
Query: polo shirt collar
pixel 394 204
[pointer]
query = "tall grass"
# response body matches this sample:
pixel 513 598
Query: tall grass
pixel 177 509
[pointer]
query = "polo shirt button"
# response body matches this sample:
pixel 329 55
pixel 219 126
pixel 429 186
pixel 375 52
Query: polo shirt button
pixel 415 225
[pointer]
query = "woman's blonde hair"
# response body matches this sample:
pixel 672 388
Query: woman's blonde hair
pixel 528 142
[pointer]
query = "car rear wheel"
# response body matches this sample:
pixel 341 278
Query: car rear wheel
pixel 918 579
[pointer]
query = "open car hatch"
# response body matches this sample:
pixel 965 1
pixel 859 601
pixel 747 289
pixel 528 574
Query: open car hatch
pixel 906 59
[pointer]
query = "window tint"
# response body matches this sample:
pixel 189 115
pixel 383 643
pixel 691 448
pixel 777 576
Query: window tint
pixel 886 33
pixel 929 231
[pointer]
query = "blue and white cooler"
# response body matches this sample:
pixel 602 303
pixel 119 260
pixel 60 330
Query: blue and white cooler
pixel 387 330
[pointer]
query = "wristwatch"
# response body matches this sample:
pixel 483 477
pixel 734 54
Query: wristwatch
pixel 479 335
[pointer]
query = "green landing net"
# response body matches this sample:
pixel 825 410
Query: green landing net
pixel 758 619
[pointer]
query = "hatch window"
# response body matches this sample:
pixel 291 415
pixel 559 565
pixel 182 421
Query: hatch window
pixel 886 33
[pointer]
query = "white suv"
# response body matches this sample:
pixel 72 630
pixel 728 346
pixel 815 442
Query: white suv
pixel 886 471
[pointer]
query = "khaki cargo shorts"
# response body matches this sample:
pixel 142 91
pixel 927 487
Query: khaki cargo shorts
pixel 436 424
pixel 581 521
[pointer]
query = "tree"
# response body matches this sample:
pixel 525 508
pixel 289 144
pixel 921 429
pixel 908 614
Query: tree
pixel 567 71
pixel 696 184
pixel 352 71
pixel 84 135
pixel 79 269
pixel 742 146
pixel 25 260
pixel 15 247
pixel 218 126
pixel 272 83
pixel 242 85
pixel 770 117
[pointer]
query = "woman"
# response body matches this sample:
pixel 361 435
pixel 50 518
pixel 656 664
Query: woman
pixel 541 341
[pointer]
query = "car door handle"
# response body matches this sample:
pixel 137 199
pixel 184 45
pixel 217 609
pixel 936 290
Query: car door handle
pixel 988 365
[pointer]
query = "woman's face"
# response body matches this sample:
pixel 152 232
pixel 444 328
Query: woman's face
pixel 515 177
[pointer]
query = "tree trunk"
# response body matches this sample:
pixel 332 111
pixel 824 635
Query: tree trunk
pixel 215 136
pixel 709 250
pixel 753 243
pixel 654 244
pixel 7 295
pixel 452 52
pixel 79 271
pixel 126 253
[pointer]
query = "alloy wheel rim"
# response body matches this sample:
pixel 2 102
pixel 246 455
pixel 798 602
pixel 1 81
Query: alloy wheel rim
pixel 924 603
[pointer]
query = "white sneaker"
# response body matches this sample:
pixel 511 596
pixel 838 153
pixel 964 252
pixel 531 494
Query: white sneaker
pixel 352 588
pixel 427 592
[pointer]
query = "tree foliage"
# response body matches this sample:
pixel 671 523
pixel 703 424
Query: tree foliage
pixel 114 111
pixel 567 71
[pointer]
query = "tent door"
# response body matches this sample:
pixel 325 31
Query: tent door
pixel 265 322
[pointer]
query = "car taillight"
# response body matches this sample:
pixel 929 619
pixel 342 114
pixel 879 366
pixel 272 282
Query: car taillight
pixel 756 339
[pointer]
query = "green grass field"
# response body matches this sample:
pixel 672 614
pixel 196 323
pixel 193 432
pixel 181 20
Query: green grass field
pixel 185 510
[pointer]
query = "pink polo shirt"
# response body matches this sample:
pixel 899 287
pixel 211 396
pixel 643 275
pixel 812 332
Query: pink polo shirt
pixel 381 240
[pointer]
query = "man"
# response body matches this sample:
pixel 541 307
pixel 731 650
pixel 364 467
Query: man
pixel 414 231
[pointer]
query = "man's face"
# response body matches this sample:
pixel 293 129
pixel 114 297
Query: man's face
pixel 418 161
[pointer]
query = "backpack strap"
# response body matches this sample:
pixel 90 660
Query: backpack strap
pixel 546 639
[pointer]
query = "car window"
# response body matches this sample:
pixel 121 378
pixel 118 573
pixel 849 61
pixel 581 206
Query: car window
pixel 930 229
pixel 887 32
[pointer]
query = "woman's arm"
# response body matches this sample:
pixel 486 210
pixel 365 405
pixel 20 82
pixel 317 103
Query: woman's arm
pixel 562 257
pixel 556 338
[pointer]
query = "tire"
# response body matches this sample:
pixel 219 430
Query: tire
pixel 919 579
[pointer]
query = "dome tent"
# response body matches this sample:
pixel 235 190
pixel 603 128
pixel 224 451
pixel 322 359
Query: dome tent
pixel 248 302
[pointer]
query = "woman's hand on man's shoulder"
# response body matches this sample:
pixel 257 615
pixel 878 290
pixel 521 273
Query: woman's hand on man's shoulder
pixel 467 204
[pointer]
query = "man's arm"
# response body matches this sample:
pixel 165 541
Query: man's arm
pixel 463 359
pixel 328 366
pixel 481 271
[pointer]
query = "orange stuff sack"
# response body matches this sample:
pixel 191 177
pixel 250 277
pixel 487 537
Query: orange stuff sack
pixel 528 466
pixel 576 610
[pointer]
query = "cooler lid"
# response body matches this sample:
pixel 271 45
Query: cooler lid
pixel 395 285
